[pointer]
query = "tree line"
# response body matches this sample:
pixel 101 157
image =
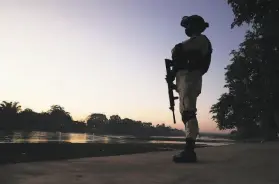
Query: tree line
pixel 251 104
pixel 14 118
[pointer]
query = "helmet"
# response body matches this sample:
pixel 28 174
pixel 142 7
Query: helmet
pixel 193 20
pixel 193 24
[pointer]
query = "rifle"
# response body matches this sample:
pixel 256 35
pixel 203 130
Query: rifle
pixel 171 86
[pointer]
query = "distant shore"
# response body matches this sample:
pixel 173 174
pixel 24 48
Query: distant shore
pixel 30 152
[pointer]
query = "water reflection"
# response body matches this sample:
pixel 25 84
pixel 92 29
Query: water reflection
pixel 181 142
pixel 77 138
pixel 17 138
pixel 166 142
pixel 106 139
pixel 44 137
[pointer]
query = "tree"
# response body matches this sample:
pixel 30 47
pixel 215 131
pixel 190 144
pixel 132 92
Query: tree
pixel 252 76
pixel 256 12
pixel 79 126
pixel 57 109
pixel 250 94
pixel 12 118
pixel 223 112
pixel 9 115
pixel 28 119
pixel 59 119
pixel 115 119
pixel 96 121
pixel 10 107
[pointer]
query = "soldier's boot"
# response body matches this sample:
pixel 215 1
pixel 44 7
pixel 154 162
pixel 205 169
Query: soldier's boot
pixel 188 155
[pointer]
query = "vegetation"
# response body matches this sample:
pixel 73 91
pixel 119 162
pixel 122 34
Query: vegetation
pixel 251 104
pixel 13 118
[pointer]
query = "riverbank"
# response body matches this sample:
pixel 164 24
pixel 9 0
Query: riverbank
pixel 238 163
pixel 29 152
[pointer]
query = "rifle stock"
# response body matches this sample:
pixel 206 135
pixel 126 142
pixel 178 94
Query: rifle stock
pixel 169 78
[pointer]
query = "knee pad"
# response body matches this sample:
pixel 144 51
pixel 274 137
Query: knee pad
pixel 188 115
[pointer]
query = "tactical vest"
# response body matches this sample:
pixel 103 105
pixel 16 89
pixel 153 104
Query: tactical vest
pixel 189 60
pixel 207 58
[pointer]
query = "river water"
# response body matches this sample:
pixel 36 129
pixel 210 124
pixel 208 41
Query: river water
pixel 45 137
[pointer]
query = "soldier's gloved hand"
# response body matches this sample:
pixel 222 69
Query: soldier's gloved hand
pixel 170 79
pixel 174 87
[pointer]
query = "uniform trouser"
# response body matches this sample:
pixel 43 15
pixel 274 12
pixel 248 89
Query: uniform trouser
pixel 189 86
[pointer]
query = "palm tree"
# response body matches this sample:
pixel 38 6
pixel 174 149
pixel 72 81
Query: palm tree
pixel 10 107
pixel 9 112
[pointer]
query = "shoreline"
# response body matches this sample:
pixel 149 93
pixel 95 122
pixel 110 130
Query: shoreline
pixel 33 152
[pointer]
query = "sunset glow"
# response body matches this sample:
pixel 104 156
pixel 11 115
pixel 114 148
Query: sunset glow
pixel 105 56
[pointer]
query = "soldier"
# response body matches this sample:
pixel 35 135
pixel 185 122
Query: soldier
pixel 191 61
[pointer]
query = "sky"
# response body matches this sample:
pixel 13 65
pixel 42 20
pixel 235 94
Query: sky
pixel 107 56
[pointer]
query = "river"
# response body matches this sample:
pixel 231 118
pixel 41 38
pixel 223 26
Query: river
pixel 45 137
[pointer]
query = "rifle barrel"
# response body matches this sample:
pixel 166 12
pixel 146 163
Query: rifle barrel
pixel 173 115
